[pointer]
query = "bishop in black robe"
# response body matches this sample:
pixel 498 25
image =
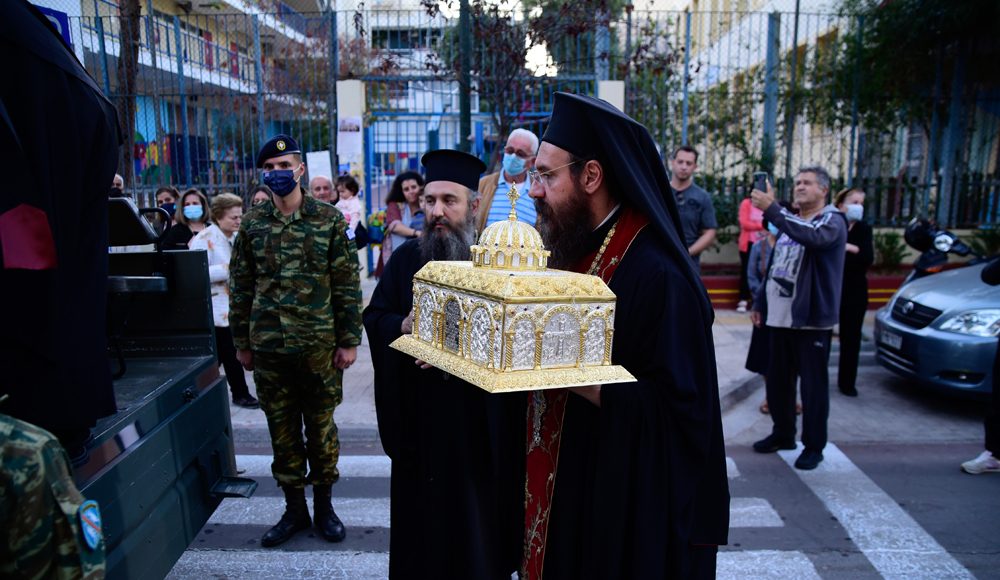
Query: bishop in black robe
pixel 640 486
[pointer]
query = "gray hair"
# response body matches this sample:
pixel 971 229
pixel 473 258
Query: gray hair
pixel 531 137
pixel 822 175
pixel 320 176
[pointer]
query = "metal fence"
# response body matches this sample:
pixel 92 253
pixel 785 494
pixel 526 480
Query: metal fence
pixel 743 87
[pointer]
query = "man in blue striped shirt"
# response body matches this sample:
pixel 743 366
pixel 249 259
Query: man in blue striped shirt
pixel 518 158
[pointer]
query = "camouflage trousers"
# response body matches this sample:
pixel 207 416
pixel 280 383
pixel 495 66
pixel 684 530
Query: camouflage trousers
pixel 297 390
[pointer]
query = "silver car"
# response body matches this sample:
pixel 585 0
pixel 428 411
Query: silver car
pixel 941 331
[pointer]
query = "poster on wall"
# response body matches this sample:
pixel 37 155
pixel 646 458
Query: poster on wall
pixel 349 143
pixel 318 163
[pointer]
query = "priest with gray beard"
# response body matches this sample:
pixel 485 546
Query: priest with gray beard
pixel 457 483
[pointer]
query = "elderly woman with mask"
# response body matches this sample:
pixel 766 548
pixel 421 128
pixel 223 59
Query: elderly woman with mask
pixel 217 240
pixel 854 292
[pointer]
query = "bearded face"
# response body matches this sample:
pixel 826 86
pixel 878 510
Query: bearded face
pixel 449 242
pixel 564 228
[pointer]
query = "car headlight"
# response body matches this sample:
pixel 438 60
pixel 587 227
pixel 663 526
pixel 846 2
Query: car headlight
pixel 984 322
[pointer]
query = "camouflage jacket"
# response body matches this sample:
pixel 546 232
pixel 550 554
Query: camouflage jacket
pixel 41 511
pixel 293 281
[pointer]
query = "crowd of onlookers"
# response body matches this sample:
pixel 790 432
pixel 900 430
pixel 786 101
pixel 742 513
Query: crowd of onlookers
pixel 211 224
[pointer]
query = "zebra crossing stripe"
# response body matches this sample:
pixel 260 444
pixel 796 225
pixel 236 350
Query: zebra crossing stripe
pixel 254 564
pixel 732 471
pixel 745 512
pixel 764 564
pixel 753 512
pixel 264 511
pixel 893 542
pixel 349 465
pixel 275 563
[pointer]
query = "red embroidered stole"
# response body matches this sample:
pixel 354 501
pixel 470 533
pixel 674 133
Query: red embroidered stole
pixel 546 410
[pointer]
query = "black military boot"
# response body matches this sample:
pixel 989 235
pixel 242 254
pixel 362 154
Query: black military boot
pixel 295 518
pixel 330 526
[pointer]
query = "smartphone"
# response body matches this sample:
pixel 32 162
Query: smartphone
pixel 760 180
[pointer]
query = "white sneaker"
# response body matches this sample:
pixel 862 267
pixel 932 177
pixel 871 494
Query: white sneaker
pixel 985 463
pixel 741 307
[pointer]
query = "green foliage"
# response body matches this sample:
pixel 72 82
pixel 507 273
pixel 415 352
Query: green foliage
pixel 902 47
pixel 986 241
pixel 727 194
pixel 889 251
pixel 567 27
pixel 500 44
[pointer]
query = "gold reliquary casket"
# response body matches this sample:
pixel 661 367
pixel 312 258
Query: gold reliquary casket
pixel 504 322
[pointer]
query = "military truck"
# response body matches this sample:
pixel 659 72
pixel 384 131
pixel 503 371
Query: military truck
pixel 161 465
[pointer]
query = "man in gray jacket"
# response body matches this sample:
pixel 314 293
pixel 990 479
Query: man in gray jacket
pixel 800 302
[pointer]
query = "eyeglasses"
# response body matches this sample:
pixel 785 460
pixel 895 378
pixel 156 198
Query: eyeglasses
pixel 535 177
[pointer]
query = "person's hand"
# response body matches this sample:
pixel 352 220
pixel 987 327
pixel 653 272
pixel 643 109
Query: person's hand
pixel 246 358
pixel 592 394
pixel 762 199
pixel 417 233
pixel 756 318
pixel 407 326
pixel 423 365
pixel 852 249
pixel 344 357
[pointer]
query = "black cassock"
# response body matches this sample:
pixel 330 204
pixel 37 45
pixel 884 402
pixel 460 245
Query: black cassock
pixel 457 452
pixel 643 478
pixel 59 139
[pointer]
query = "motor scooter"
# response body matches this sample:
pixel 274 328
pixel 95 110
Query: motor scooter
pixel 934 245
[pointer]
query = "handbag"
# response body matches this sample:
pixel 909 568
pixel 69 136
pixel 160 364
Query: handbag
pixel 361 237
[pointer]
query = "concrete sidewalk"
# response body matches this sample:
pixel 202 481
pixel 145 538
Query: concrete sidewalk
pixel 356 419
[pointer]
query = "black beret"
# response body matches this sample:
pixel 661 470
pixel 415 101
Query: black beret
pixel 277 146
pixel 451 165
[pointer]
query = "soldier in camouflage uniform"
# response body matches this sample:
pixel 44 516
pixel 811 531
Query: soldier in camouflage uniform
pixel 47 529
pixel 295 312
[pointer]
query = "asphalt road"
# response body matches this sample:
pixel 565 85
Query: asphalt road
pixel 888 501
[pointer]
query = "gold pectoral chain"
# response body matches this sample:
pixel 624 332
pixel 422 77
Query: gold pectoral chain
pixel 600 253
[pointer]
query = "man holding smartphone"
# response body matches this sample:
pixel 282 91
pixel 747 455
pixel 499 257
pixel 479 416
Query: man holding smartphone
pixel 799 301
pixel 694 203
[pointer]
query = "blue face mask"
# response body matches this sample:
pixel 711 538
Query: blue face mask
pixel 513 164
pixel 854 212
pixel 281 181
pixel 773 229
pixel 193 212
pixel 170 208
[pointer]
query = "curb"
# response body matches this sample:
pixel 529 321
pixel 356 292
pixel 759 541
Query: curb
pixel 740 393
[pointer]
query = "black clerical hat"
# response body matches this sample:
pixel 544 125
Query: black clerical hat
pixel 276 147
pixel 571 127
pixel 592 128
pixel 451 165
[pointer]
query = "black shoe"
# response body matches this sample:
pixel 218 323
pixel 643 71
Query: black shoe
pixel 772 443
pixel 808 460
pixel 849 391
pixel 294 520
pixel 330 526
pixel 247 402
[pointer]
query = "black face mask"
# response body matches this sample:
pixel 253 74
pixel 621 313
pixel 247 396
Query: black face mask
pixel 170 208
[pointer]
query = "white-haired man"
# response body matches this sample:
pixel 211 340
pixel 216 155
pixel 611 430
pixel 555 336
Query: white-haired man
pixel 321 187
pixel 518 158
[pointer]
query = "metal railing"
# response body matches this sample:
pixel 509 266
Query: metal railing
pixel 744 88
